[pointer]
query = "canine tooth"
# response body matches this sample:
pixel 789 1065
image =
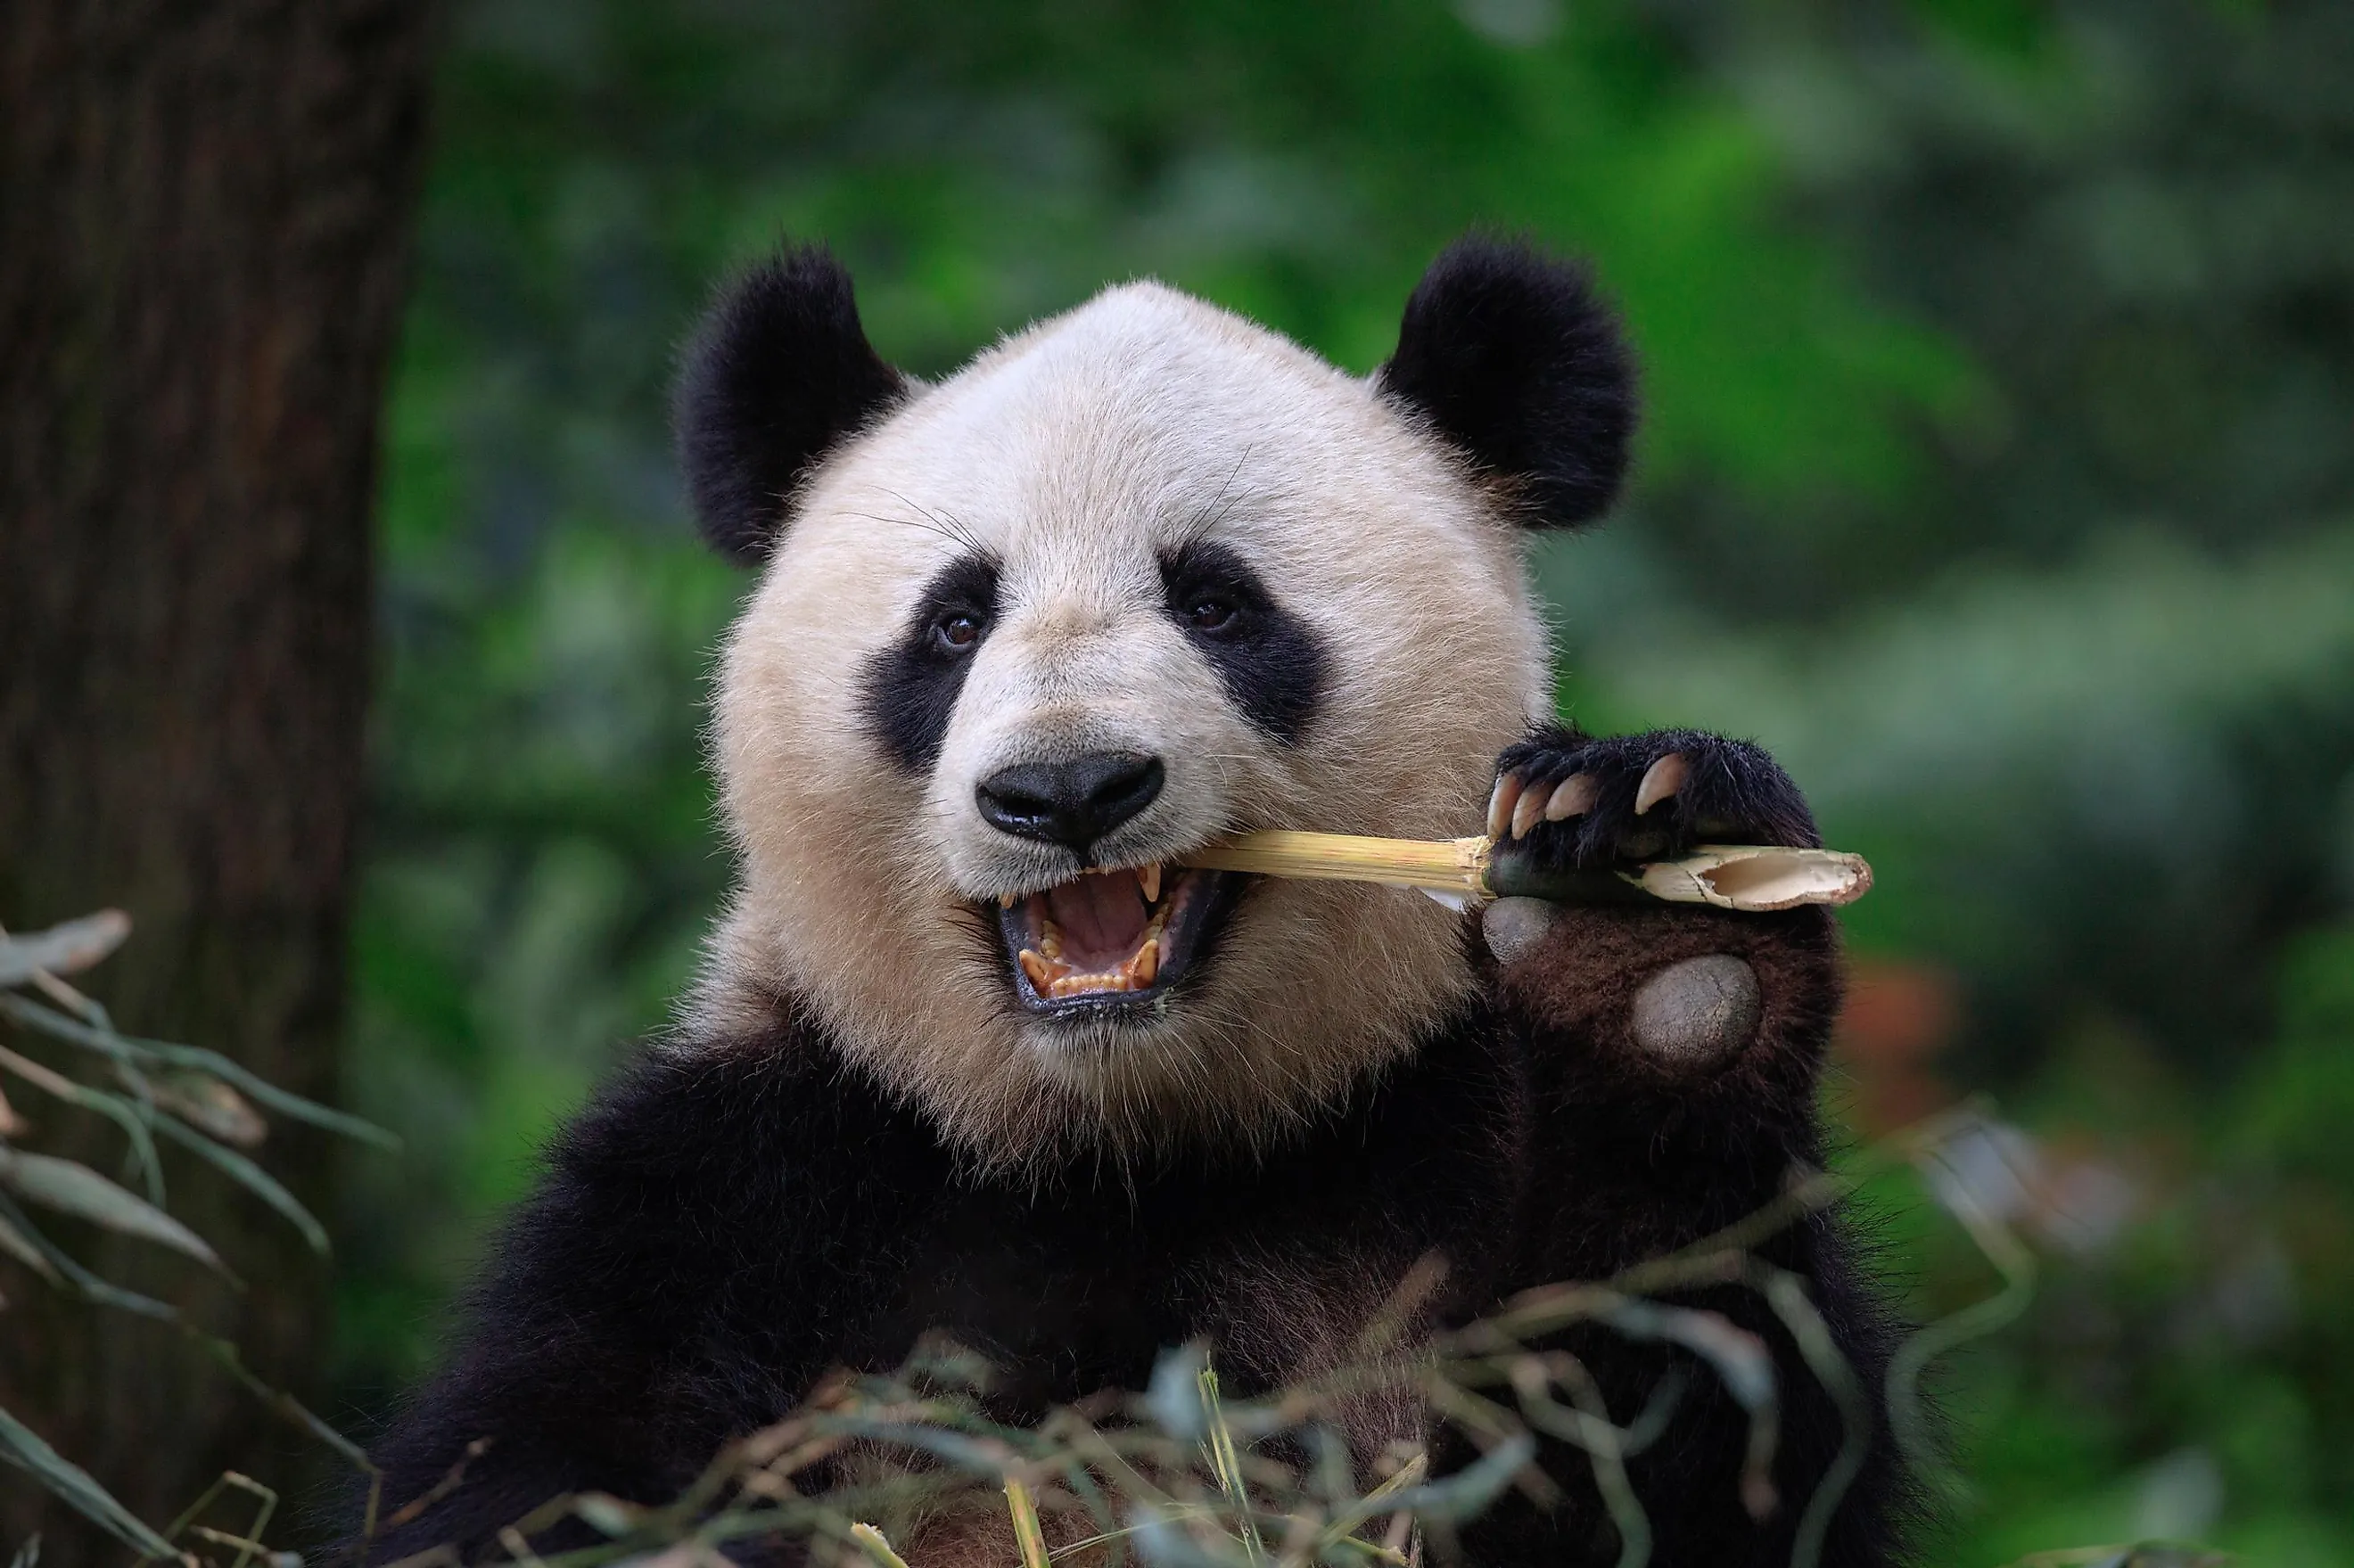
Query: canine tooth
pixel 1148 878
pixel 1573 796
pixel 1527 813
pixel 1662 780
pixel 1006 901
pixel 1499 804
pixel 1039 974
pixel 1146 964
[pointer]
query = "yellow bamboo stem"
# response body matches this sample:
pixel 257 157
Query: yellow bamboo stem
pixel 1446 865
pixel 1027 1532
pixel 876 1547
pixel 1753 877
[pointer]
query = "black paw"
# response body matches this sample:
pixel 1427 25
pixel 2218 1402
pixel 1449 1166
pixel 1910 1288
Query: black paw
pixel 1584 803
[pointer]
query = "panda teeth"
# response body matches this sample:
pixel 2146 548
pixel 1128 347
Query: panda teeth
pixel 1148 878
pixel 1050 975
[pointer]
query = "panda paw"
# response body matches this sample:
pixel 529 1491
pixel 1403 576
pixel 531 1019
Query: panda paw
pixel 1682 991
pixel 1580 802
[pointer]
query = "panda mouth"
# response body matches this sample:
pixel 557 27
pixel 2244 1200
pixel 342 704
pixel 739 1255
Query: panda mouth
pixel 1113 937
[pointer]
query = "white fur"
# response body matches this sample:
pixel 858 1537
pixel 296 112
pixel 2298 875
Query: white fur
pixel 1072 452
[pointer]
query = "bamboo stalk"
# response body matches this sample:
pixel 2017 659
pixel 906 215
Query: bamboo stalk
pixel 1028 1534
pixel 1752 877
pixel 1449 865
pixel 878 1546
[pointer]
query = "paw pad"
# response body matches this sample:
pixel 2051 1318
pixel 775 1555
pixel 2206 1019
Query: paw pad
pixel 1514 926
pixel 1695 1012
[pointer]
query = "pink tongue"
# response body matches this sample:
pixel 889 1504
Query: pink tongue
pixel 1102 919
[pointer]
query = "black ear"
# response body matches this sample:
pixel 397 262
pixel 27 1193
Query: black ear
pixel 779 372
pixel 1511 355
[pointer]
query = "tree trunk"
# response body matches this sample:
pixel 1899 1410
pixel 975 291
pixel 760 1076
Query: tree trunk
pixel 204 210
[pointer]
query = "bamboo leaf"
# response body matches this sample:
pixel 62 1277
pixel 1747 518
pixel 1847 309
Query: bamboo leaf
pixel 90 1285
pixel 1227 1465
pixel 119 1111
pixel 21 1247
pixel 286 1405
pixel 79 1191
pixel 1468 1490
pixel 276 1098
pixel 62 949
pixel 207 1104
pixel 22 1446
pixel 128 1048
pixel 251 1177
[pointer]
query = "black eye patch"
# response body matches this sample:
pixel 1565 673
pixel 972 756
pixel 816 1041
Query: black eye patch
pixel 1270 663
pixel 910 688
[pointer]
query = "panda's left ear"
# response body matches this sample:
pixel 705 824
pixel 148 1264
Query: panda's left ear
pixel 779 374
pixel 1511 355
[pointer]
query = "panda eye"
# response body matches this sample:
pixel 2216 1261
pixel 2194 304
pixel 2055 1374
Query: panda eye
pixel 959 632
pixel 1209 612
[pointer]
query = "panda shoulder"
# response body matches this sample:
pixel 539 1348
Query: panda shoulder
pixel 697 1144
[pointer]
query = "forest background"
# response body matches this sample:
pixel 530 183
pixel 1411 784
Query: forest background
pixel 1999 475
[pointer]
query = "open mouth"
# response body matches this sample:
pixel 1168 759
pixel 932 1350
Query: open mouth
pixel 1113 938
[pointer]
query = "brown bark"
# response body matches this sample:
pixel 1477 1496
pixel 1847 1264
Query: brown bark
pixel 202 215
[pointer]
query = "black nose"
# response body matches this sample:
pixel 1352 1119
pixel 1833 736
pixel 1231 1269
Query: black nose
pixel 1074 802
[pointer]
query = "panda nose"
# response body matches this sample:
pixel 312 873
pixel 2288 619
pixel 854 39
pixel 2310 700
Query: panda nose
pixel 1074 802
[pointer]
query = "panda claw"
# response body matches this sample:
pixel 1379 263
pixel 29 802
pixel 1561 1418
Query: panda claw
pixel 1528 812
pixel 1501 803
pixel 1662 780
pixel 1573 796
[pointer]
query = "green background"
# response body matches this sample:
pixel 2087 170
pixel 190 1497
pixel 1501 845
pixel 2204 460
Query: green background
pixel 1998 474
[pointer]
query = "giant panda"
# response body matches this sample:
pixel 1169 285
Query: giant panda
pixel 971 1053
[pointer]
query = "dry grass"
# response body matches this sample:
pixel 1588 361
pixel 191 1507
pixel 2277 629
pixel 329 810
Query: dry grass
pixel 1176 1475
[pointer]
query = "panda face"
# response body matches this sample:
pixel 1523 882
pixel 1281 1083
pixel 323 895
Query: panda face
pixel 1138 579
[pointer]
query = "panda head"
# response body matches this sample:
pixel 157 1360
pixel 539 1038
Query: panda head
pixel 1139 577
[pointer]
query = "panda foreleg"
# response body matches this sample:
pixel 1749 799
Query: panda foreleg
pixel 1673 1054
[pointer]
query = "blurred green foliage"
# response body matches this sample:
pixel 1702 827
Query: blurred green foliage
pixel 2000 358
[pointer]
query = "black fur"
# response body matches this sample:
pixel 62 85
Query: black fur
pixel 723 1226
pixel 1510 356
pixel 780 372
pixel 1272 665
pixel 909 692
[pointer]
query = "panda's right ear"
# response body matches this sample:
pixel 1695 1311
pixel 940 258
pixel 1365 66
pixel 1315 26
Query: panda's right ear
pixel 1510 356
pixel 779 373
